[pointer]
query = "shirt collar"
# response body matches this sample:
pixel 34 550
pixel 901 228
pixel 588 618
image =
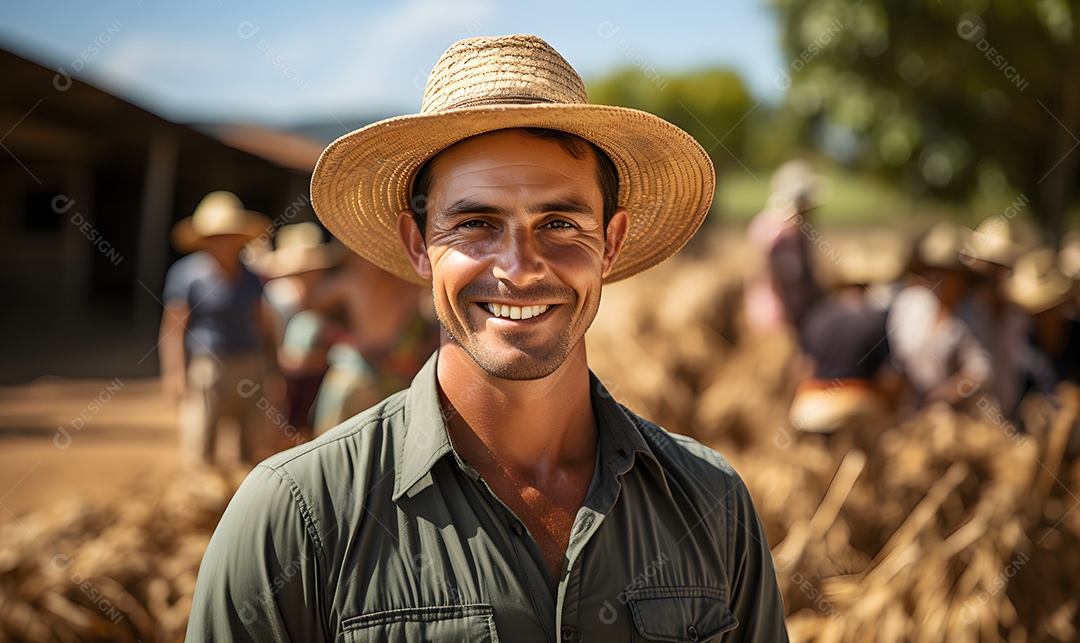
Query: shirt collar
pixel 426 439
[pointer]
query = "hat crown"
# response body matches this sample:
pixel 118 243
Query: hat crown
pixel 874 258
pixel 1038 268
pixel 797 181
pixel 995 240
pixel 1036 283
pixel 1069 256
pixel 218 213
pixel 940 247
pixel 501 70
pixel 304 235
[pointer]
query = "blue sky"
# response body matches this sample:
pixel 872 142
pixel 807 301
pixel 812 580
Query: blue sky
pixel 286 62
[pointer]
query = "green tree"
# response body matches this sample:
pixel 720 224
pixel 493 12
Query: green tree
pixel 710 104
pixel 952 96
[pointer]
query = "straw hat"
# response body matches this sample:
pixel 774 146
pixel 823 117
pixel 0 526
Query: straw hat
pixel 941 246
pixel 795 186
pixel 1069 255
pixel 363 179
pixel 219 213
pixel 873 258
pixel 299 248
pixel 1036 284
pixel 993 241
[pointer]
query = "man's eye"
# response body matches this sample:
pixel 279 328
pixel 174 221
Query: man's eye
pixel 474 224
pixel 560 224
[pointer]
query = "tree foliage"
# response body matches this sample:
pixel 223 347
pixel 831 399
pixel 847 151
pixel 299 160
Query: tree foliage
pixel 710 104
pixel 950 96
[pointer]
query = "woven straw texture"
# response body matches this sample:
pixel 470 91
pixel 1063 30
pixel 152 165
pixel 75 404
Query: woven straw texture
pixel 362 180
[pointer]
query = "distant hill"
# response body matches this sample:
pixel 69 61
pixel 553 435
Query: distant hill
pixel 330 129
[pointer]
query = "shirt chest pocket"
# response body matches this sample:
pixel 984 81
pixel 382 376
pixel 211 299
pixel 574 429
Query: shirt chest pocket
pixel 680 613
pixel 474 622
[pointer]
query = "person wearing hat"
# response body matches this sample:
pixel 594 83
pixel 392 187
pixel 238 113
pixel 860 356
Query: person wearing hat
pixel 1039 287
pixel 295 268
pixel 785 287
pixel 213 335
pixel 939 356
pixel 999 324
pixel 504 495
pixel 846 349
pixel 383 333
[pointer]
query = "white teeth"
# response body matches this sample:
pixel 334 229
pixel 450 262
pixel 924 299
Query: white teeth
pixel 516 312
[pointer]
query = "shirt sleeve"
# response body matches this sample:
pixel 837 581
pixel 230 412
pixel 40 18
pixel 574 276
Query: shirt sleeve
pixel 177 285
pixel 259 576
pixel 755 594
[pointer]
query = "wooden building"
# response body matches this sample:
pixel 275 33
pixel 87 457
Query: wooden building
pixel 90 186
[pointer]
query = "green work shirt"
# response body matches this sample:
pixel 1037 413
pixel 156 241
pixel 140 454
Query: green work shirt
pixel 379 531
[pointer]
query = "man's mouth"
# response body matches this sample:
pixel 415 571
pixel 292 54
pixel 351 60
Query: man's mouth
pixel 515 312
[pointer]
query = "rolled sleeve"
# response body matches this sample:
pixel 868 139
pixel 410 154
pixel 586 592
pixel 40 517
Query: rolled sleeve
pixel 259 576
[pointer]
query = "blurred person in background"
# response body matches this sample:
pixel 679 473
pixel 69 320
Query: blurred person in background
pixel 851 387
pixel 1000 325
pixel 381 333
pixel 214 332
pixel 786 286
pixel 1067 356
pixel 295 268
pixel 1058 331
pixel 1053 354
pixel 938 355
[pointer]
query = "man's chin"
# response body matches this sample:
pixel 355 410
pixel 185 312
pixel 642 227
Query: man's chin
pixel 515 364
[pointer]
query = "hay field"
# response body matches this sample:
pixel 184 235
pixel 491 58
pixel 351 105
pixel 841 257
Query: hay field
pixel 941 528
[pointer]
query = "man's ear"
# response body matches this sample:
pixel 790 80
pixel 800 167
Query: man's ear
pixel 413 243
pixel 613 239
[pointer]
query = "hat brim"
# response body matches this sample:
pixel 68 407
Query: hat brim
pixel 186 238
pixel 666 179
pixel 293 261
pixel 1040 299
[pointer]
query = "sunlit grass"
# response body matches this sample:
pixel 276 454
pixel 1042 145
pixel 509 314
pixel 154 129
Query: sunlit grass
pixel 852 200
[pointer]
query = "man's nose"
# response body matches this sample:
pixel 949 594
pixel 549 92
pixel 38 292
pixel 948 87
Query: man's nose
pixel 520 259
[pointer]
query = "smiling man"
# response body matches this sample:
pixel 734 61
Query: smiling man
pixel 504 494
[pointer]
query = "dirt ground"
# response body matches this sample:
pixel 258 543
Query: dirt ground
pixel 82 439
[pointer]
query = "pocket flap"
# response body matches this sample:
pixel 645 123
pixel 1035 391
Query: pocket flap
pixel 441 623
pixel 680 613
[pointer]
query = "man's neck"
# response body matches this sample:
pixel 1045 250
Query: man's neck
pixel 536 429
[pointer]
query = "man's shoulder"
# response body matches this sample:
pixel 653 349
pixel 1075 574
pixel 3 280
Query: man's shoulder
pixel 188 270
pixel 325 478
pixel 684 457
pixel 357 442
pixel 316 494
pixel 191 264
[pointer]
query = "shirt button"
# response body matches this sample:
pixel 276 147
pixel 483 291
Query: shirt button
pixel 518 529
pixel 568 633
pixel 692 633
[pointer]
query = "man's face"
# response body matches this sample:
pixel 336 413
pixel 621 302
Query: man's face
pixel 516 250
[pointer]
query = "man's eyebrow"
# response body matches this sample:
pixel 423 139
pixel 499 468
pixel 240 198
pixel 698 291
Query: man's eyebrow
pixel 569 205
pixel 469 206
